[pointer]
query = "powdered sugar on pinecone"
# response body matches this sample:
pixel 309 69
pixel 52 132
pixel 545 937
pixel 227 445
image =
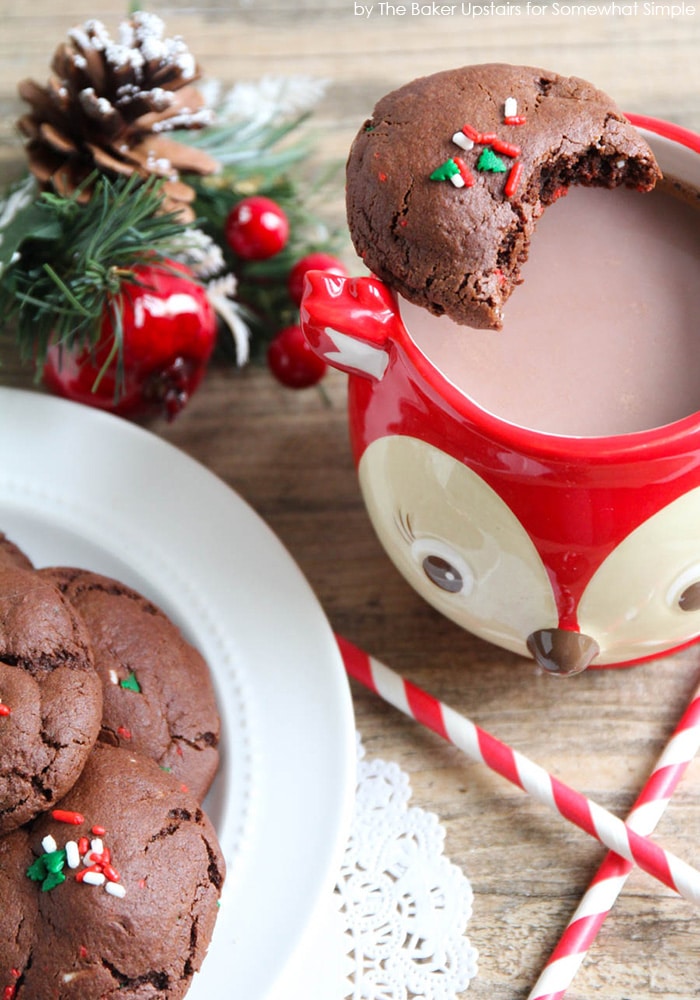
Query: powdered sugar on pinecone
pixel 109 105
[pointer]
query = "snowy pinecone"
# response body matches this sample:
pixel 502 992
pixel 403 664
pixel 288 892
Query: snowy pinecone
pixel 109 105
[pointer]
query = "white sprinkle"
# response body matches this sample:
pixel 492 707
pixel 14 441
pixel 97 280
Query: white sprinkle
pixel 80 62
pixel 510 107
pixel 113 677
pixel 620 164
pixel 88 859
pixel 68 977
pixel 94 878
pixel 49 844
pixel 115 889
pixel 463 141
pixel 457 180
pixel 72 854
pixel 96 845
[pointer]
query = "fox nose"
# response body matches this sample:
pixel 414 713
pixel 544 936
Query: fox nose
pixel 561 651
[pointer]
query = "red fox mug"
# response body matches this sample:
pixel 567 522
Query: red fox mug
pixel 577 550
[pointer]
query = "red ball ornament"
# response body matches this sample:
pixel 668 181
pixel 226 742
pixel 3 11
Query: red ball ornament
pixel 256 228
pixel 292 361
pixel 317 261
pixel 169 331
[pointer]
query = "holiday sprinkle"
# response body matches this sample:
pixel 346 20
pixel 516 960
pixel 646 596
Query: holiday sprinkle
pixel 490 159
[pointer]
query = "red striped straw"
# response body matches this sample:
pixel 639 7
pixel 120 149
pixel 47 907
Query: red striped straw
pixel 607 883
pixel 530 777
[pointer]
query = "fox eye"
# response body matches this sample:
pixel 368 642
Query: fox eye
pixel 443 574
pixel 444 567
pixel 684 592
pixel 689 599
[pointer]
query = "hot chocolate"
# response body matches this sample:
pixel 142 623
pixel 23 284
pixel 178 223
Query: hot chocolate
pixel 602 336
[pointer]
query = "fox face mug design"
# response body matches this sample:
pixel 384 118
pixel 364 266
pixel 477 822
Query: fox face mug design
pixel 576 551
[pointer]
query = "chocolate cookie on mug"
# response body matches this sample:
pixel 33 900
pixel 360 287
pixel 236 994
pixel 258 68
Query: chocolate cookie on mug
pixel 446 180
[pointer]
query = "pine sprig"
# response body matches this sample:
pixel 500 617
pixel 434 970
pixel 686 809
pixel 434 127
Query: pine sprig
pixel 74 257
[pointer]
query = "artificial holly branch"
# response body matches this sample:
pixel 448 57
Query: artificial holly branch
pixel 137 186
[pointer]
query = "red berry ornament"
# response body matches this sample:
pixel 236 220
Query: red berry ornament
pixel 169 331
pixel 292 361
pixel 256 228
pixel 312 262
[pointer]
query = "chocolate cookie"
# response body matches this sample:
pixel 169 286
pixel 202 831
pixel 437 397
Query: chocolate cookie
pixel 447 179
pixel 157 690
pixel 133 919
pixel 12 555
pixel 50 695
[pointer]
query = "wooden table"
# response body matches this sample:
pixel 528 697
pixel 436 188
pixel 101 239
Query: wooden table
pixel 287 453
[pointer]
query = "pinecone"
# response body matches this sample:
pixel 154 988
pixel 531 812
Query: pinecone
pixel 108 105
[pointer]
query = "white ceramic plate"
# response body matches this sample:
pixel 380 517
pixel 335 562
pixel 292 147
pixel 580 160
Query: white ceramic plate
pixel 80 487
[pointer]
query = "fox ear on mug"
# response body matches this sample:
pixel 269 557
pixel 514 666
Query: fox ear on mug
pixel 350 322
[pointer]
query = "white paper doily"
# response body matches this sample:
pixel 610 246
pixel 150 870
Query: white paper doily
pixel 404 905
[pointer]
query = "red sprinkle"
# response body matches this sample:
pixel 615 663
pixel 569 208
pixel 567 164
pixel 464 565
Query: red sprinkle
pixel 83 951
pixel 5 709
pixel 514 120
pixel 464 171
pixel 558 193
pixel 98 831
pixel 110 873
pixel 123 731
pixel 83 845
pixel 471 133
pixel 514 175
pixel 68 816
pixel 382 176
pixel 8 993
pixel 79 876
pixel 507 148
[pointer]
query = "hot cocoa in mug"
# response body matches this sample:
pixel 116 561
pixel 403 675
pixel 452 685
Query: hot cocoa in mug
pixel 539 484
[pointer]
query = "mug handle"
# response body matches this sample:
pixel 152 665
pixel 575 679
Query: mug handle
pixel 350 322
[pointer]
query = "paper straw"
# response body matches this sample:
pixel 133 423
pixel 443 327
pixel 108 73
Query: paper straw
pixel 530 777
pixel 607 883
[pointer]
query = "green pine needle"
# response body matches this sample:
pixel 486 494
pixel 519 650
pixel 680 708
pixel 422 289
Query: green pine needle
pixel 71 259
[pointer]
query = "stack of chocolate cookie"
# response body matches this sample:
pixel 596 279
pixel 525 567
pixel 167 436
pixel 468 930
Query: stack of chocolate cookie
pixel 110 870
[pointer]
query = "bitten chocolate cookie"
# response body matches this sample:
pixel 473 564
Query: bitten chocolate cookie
pixel 115 898
pixel 446 181
pixel 50 695
pixel 158 694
